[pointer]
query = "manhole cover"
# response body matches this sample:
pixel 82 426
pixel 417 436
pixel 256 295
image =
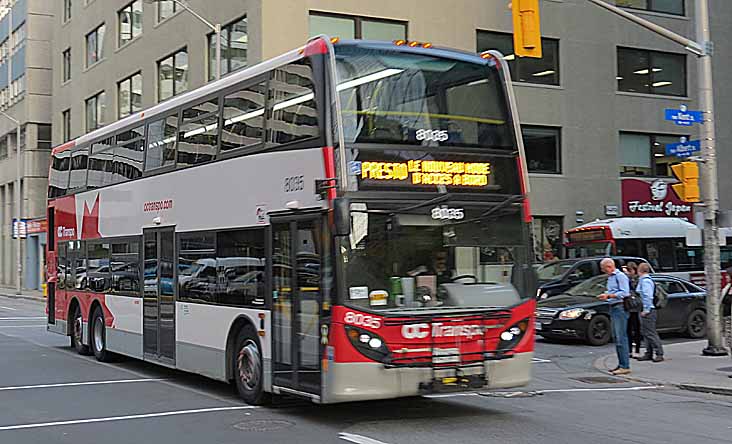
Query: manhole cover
pixel 263 425
pixel 724 369
pixel 599 380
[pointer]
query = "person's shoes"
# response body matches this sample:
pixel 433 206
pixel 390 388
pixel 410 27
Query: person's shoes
pixel 645 358
pixel 621 371
pixel 658 359
pixel 612 372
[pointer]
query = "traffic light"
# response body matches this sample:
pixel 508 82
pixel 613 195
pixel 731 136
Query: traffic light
pixel 688 174
pixel 526 29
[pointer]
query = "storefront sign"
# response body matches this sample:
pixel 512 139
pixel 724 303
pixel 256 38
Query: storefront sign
pixel 643 198
pixel 37 226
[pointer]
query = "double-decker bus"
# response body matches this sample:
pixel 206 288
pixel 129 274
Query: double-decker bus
pixel 661 240
pixel 347 221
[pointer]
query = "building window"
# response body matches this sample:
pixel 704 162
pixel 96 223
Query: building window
pixel 166 8
pixel 645 154
pixel 234 42
pixel 3 147
pixel 544 71
pixel 651 72
pixel 95 107
pixel 675 7
pixel 95 46
pixel 129 95
pixel 43 136
pixel 66 125
pixel 4 50
pixel 67 65
pixel 352 27
pixel 543 149
pixel 130 22
pixel 547 238
pixel 17 39
pixel 173 75
pixel 67 10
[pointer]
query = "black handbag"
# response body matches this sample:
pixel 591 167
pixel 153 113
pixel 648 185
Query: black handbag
pixel 633 303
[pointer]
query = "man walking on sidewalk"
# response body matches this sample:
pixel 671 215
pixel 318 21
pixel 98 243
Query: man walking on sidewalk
pixel 618 288
pixel 647 288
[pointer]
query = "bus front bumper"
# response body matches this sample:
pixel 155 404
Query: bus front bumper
pixel 346 382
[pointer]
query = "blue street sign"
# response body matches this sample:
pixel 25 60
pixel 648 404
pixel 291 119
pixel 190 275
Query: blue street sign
pixel 683 116
pixel 354 168
pixel 683 149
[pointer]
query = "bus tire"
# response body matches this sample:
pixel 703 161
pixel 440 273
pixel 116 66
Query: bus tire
pixel 77 331
pixel 249 367
pixel 696 324
pixel 599 331
pixel 98 336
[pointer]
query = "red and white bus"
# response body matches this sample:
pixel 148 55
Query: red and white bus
pixel 347 221
pixel 660 240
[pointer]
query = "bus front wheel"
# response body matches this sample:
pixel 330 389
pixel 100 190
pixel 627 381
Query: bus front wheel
pixel 248 367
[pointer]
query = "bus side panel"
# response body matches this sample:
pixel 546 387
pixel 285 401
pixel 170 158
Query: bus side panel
pixel 202 332
pixel 124 334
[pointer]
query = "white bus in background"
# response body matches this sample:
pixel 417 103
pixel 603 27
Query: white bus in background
pixel 661 240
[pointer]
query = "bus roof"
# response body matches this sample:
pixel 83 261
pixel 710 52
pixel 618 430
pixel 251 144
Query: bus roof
pixel 640 227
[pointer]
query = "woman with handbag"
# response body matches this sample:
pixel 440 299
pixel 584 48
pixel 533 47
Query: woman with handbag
pixel 634 322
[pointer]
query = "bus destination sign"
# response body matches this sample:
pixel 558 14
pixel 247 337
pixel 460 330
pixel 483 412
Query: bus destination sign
pixel 425 172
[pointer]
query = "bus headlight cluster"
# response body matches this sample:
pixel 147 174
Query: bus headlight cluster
pixel 368 344
pixel 511 336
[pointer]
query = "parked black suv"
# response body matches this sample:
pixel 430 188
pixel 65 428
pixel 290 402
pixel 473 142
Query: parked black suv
pixel 557 277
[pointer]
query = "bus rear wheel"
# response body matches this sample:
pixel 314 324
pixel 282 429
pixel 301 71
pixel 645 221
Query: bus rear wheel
pixel 77 332
pixel 248 367
pixel 98 337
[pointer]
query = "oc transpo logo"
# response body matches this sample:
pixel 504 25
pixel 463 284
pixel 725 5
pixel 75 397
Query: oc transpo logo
pixel 440 330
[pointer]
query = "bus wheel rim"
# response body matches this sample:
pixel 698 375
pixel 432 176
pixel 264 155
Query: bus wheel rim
pixel 249 365
pixel 99 335
pixel 77 328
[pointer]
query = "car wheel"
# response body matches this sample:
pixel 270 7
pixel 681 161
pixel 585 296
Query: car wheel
pixel 696 324
pixel 248 367
pixel 98 336
pixel 77 332
pixel 599 331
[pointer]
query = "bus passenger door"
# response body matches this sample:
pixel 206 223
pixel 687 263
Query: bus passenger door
pixel 159 295
pixel 295 255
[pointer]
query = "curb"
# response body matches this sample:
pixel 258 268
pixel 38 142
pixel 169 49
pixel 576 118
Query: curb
pixel 25 297
pixel 706 389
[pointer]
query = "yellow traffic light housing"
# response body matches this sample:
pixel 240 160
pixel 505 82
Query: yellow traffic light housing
pixel 526 29
pixel 688 174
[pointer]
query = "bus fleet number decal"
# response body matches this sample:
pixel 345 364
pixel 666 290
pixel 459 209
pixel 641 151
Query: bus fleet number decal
pixel 362 320
pixel 294 183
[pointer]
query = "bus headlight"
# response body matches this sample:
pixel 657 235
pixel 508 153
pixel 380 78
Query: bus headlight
pixel 368 344
pixel 511 336
pixel 568 315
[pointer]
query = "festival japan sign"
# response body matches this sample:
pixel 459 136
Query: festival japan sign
pixel 656 198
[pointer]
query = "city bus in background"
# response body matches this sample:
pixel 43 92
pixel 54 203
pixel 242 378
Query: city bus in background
pixel 347 221
pixel 660 240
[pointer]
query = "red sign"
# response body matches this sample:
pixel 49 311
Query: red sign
pixel 656 198
pixel 37 226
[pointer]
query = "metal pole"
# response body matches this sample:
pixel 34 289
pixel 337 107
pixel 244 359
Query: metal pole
pixel 710 188
pixel 218 51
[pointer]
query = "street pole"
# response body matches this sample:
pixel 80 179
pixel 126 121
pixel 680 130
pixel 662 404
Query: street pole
pixel 710 191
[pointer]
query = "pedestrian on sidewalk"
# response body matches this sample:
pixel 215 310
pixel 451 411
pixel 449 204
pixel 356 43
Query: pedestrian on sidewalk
pixel 726 308
pixel 647 288
pixel 634 323
pixel 618 288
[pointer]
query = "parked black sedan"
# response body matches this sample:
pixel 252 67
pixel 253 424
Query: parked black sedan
pixel 577 313
pixel 558 277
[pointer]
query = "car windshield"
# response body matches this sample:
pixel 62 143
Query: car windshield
pixel 396 97
pixel 418 260
pixel 554 270
pixel 594 286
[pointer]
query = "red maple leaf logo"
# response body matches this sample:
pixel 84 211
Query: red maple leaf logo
pixel 90 221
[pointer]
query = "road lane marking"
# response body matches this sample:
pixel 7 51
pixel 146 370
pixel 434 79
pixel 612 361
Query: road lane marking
pixel 22 318
pixel 124 418
pixel 23 326
pixel 358 439
pixel 8 308
pixel 540 361
pixel 76 384
pixel 541 392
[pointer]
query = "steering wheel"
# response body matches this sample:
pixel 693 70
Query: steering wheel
pixel 465 276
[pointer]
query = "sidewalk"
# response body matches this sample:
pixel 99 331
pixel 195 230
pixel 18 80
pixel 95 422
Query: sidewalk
pixel 32 295
pixel 685 368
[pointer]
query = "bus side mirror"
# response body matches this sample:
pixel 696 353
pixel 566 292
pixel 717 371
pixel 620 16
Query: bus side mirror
pixel 342 216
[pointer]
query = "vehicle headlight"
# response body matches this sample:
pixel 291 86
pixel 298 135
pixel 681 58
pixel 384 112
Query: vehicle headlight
pixel 573 313
pixel 544 295
pixel 511 336
pixel 368 343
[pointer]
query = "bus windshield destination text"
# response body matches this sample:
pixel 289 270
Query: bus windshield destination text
pixel 429 172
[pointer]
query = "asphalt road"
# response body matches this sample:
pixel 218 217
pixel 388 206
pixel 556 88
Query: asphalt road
pixel 48 394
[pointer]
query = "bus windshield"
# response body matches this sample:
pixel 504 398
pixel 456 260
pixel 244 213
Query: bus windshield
pixel 590 249
pixel 416 261
pixel 395 97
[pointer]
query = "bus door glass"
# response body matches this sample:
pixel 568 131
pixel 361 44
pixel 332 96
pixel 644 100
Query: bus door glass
pixel 297 298
pixel 660 255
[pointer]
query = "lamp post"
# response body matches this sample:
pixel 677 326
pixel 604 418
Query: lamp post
pixel 216 28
